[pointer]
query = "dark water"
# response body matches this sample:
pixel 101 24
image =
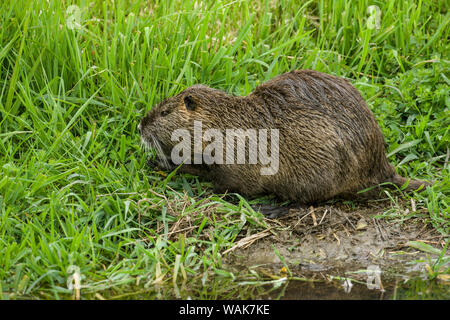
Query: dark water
pixel 337 290
pixel 394 289
pixel 327 287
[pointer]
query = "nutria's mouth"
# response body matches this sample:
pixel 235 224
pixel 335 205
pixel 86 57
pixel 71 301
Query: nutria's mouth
pixel 162 152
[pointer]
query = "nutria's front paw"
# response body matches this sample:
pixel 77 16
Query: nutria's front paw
pixel 151 163
pixel 160 165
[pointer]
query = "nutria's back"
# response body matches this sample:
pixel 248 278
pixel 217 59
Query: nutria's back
pixel 328 142
pixel 329 130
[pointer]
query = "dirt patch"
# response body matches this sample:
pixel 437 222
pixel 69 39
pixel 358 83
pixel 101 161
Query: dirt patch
pixel 338 237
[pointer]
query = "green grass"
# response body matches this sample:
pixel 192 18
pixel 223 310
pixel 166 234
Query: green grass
pixel 74 185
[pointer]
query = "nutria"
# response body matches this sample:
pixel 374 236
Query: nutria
pixel 330 144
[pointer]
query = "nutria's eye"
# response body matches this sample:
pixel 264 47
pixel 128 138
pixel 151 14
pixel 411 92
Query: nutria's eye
pixel 189 103
pixel 164 113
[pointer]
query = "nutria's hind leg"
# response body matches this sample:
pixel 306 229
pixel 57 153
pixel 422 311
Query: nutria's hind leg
pixel 271 211
pixel 274 211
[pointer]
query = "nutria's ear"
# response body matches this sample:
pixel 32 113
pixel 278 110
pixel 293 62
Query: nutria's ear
pixel 189 103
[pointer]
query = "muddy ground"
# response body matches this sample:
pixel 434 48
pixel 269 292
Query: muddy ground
pixel 338 240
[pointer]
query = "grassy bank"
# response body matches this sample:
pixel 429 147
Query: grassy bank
pixel 74 186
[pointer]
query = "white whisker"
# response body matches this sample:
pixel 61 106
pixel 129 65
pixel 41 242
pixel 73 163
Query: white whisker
pixel 160 152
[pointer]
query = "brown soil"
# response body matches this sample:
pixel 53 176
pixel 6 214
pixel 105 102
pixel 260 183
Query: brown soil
pixel 336 238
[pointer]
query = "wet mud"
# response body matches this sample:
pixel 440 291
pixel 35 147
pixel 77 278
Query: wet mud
pixel 338 249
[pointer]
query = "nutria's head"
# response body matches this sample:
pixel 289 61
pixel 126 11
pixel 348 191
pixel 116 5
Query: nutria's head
pixel 198 102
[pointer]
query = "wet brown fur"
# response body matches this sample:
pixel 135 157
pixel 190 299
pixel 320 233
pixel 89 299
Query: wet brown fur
pixel 330 143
